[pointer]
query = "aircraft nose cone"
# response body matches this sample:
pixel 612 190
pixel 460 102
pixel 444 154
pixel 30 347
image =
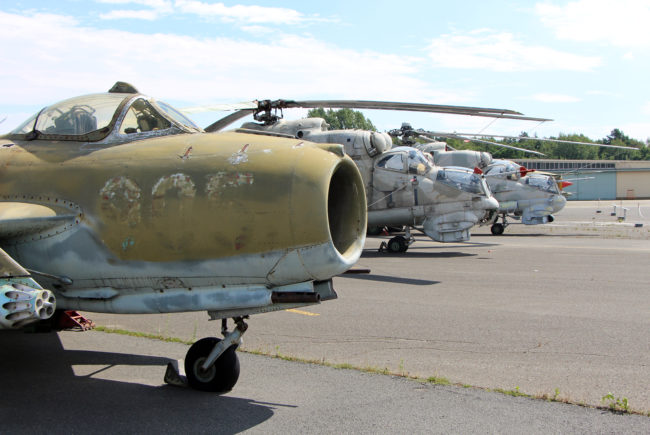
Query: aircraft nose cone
pixel 492 203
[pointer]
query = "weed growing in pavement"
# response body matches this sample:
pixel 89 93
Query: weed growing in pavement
pixel 513 393
pixel 616 403
pixel 441 381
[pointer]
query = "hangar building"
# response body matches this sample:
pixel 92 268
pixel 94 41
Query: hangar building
pixel 599 179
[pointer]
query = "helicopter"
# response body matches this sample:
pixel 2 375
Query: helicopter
pixel 523 194
pixel 116 202
pixel 402 185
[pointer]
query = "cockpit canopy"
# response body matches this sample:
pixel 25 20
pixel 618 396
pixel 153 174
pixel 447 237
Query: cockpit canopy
pixel 463 179
pixel 405 159
pixel 113 117
pixel 542 182
pixel 506 168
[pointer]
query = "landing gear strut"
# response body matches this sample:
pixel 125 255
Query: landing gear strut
pixel 211 364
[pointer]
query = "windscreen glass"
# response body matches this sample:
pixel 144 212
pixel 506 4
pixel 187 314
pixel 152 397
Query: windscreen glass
pixel 466 181
pixel 542 182
pixel 76 116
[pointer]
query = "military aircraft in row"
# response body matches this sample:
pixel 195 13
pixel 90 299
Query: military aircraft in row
pixel 116 202
pixel 403 186
pixel 523 194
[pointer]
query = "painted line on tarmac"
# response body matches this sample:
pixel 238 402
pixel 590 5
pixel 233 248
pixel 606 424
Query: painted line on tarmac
pixel 304 313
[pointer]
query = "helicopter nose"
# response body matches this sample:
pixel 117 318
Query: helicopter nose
pixel 558 203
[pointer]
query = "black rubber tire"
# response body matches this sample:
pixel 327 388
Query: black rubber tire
pixel 397 244
pixel 497 229
pixel 221 377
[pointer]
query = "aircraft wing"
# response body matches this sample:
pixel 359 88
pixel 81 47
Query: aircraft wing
pixel 23 219
pixel 22 299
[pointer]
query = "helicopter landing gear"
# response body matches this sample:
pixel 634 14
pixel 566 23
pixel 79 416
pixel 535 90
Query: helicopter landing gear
pixel 398 243
pixel 211 364
pixel 497 229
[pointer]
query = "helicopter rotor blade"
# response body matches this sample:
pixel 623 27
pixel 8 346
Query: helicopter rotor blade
pixel 502 145
pixel 227 120
pixel 226 107
pixel 416 107
pixel 433 135
pixel 257 106
pixel 480 135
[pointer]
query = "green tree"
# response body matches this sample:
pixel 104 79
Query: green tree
pixel 618 138
pixel 342 119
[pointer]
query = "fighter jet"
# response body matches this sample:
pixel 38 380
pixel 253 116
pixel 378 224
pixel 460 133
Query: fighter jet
pixel 118 203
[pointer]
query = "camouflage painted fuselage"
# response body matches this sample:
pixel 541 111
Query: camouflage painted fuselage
pixel 179 222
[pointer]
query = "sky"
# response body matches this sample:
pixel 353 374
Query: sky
pixel 583 63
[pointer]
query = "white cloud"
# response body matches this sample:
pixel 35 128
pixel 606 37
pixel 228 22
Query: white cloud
pixel 157 4
pixel 555 98
pixel 252 15
pixel 257 30
pixel 240 13
pixel 486 49
pixel 621 23
pixel 50 57
pixel 144 14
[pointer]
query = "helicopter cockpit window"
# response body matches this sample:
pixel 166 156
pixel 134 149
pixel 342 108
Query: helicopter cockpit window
pixel 142 117
pixel 76 116
pixel 461 179
pixel 510 170
pixel 394 162
pixel 418 164
pixel 543 182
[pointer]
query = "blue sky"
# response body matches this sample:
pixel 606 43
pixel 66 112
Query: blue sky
pixel 583 63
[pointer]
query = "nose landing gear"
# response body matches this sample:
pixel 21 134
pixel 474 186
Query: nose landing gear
pixel 497 229
pixel 211 364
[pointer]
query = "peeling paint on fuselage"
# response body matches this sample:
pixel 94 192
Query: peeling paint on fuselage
pixel 121 198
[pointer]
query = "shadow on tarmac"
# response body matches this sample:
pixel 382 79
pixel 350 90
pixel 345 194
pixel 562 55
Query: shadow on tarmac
pixel 545 235
pixel 373 253
pixel 41 394
pixel 393 279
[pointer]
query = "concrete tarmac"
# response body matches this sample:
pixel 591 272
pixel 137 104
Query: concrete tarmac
pixel 557 310
pixel 95 383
